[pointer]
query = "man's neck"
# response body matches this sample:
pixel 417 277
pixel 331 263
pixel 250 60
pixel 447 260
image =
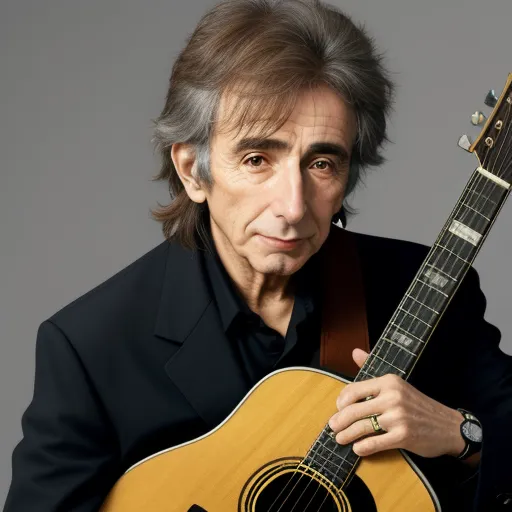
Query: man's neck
pixel 271 296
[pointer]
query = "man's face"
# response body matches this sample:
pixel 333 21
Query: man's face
pixel 272 201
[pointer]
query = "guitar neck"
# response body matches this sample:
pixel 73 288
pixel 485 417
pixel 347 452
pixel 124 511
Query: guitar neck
pixel 410 327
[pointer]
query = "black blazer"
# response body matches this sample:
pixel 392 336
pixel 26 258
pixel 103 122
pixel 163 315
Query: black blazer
pixel 141 363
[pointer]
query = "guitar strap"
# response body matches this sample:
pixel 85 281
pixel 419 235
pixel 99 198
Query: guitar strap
pixel 344 323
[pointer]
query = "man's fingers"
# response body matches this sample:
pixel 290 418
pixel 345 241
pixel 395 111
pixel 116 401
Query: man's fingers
pixel 354 412
pixel 357 391
pixel 375 444
pixel 359 356
pixel 355 431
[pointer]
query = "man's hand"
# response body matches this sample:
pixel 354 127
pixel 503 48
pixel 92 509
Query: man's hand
pixel 412 420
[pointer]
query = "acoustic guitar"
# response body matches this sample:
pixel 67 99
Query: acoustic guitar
pixel 272 454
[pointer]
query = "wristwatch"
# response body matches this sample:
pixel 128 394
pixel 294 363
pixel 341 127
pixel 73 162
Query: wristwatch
pixel 471 432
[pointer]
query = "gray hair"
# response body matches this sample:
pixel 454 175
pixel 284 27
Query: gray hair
pixel 267 52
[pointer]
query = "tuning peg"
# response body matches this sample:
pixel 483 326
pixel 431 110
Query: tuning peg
pixel 465 142
pixel 478 118
pixel 491 99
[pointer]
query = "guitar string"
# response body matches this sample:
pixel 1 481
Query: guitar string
pixel 310 480
pixel 312 498
pixel 295 472
pixel 451 235
pixel 318 486
pixel 335 477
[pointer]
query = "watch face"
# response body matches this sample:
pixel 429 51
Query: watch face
pixel 472 431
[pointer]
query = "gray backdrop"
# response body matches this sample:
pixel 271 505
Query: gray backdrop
pixel 80 82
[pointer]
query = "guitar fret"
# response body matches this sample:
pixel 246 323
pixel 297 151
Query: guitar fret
pixel 361 371
pixel 487 204
pixel 480 196
pixel 381 368
pixel 325 457
pixel 407 333
pixel 336 454
pixel 435 289
pixel 427 295
pixel 452 253
pixel 388 363
pixel 399 346
pixel 436 278
pixel 419 302
pixel 318 453
pixel 414 316
pixel 433 312
pixel 323 469
pixel 441 271
pixel 395 335
pixel 464 250
pixel 476 211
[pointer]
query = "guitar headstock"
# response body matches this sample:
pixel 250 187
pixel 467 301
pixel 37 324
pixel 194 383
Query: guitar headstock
pixel 493 147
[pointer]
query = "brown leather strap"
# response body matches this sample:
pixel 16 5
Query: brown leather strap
pixel 344 323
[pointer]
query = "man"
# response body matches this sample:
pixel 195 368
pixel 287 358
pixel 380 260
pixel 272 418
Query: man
pixel 272 111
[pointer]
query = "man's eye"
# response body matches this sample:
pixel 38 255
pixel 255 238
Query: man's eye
pixel 252 161
pixel 324 162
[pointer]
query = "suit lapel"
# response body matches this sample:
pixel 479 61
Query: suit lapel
pixel 206 370
pixel 205 367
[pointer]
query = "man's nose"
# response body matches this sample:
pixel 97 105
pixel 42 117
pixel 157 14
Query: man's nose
pixel 289 199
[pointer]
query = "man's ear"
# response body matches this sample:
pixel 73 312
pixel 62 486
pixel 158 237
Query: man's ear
pixel 184 159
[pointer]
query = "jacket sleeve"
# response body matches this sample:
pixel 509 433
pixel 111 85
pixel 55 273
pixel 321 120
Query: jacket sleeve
pixel 68 457
pixel 484 372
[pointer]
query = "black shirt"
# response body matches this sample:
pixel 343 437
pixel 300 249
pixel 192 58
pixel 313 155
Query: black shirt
pixel 260 348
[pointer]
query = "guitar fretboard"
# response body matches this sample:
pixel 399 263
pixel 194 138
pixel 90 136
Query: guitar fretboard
pixel 437 280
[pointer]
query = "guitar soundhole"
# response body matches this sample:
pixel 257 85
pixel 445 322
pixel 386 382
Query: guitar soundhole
pixel 278 487
pixel 295 493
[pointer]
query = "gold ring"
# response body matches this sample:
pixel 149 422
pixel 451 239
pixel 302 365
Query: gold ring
pixel 375 424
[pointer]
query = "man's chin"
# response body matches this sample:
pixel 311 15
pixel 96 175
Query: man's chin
pixel 279 264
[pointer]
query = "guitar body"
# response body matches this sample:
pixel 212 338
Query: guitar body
pixel 250 463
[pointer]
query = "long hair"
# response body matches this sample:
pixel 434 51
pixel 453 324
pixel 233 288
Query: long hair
pixel 266 52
